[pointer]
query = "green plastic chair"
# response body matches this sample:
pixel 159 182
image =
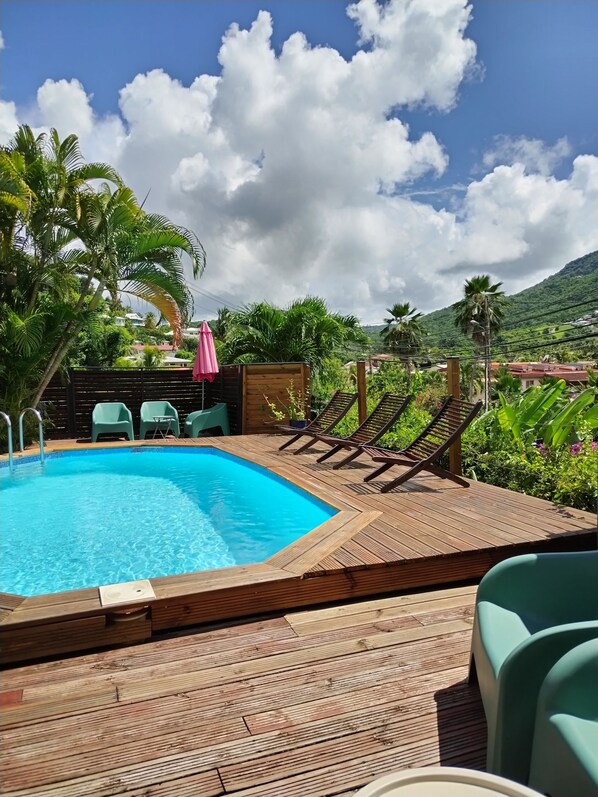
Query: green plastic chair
pixel 214 417
pixel 565 750
pixel 152 409
pixel 530 611
pixel 111 418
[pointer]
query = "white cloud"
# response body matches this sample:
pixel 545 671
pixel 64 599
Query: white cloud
pixel 532 153
pixel 517 224
pixel 1 41
pixel 8 121
pixel 63 104
pixel 298 175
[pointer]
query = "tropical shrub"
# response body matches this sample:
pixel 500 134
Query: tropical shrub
pixel 567 474
pixel 548 414
pixel 577 476
pixel 305 331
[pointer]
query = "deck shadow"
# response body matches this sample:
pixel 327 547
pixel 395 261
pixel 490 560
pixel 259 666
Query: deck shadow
pixel 461 726
pixel 373 488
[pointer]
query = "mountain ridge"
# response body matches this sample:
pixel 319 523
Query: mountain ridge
pixel 573 290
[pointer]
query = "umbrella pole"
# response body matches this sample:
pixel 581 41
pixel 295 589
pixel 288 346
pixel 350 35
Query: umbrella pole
pixel 203 387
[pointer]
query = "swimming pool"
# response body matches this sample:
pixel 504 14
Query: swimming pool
pixel 104 516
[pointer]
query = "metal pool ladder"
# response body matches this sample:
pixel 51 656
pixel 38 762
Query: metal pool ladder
pixel 9 436
pixel 38 415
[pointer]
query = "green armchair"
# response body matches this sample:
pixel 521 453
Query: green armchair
pixel 530 611
pixel 214 417
pixel 565 751
pixel 111 418
pixel 153 409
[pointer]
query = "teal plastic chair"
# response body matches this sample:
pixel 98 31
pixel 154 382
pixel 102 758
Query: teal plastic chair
pixel 151 409
pixel 565 750
pixel 200 420
pixel 111 418
pixel 530 610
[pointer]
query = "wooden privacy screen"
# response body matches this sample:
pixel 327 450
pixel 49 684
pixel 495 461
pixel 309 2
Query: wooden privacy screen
pixel 71 398
pixel 271 380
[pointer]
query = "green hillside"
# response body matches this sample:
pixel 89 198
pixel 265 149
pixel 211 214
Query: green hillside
pixel 532 316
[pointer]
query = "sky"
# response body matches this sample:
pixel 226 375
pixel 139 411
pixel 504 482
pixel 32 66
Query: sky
pixel 369 153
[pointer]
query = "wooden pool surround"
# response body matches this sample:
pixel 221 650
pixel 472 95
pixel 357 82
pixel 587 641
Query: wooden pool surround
pixel 428 532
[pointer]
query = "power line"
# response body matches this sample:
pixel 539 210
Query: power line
pixel 521 342
pixel 212 297
pixel 551 345
pixel 420 353
pixel 520 320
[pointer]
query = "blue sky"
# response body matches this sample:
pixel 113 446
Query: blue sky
pixel 535 79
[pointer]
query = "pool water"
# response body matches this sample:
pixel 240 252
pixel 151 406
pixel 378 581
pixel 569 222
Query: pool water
pixel 89 518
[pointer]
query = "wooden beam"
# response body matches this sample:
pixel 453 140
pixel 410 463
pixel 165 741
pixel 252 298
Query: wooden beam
pixel 362 400
pixel 453 389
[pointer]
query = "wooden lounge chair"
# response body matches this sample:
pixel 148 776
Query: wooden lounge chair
pixel 384 415
pixel 338 406
pixel 447 426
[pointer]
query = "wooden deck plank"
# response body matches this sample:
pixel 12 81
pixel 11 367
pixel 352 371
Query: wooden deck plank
pixel 325 717
pixel 161 652
pixel 143 690
pixel 264 693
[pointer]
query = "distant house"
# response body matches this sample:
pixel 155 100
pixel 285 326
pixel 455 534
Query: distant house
pixel 165 347
pixel 589 319
pixel 132 318
pixel 176 362
pixel 531 374
pixel 170 359
pixel 188 332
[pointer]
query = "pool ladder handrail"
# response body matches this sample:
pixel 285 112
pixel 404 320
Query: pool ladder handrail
pixel 9 436
pixel 40 429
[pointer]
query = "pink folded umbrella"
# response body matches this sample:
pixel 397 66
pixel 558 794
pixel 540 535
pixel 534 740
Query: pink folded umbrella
pixel 206 364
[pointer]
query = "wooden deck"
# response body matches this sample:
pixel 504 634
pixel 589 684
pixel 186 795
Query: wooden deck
pixel 428 532
pixel 305 704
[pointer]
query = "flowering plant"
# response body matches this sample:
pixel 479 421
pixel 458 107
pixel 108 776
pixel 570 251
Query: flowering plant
pixel 293 408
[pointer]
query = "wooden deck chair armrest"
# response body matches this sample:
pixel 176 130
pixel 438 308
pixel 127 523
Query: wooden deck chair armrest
pixel 399 460
pixel 338 441
pixel 381 454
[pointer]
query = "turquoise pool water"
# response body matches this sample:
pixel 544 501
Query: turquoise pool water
pixel 89 518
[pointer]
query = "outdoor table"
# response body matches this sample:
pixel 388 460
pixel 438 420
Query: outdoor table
pixel 444 782
pixel 158 419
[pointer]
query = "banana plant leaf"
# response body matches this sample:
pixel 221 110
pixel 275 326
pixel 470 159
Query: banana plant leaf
pixel 561 428
pixel 522 416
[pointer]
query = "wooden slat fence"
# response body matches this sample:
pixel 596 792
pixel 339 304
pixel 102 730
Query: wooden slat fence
pixel 228 388
pixel 70 399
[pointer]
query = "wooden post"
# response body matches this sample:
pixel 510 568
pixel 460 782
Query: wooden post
pixel 243 398
pixel 71 403
pixel 453 389
pixel 362 399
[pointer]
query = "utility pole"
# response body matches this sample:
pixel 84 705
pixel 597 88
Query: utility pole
pixel 487 352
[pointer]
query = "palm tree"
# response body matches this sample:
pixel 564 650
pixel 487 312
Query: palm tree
pixel 64 243
pixel 151 357
pixel 124 250
pixel 403 333
pixel 479 315
pixel 304 331
pixel 471 379
pixel 505 383
pixel 221 324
